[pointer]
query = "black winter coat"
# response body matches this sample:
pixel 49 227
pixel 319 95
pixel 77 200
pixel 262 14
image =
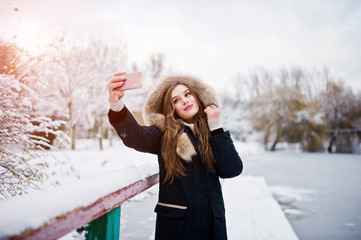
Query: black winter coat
pixel 191 207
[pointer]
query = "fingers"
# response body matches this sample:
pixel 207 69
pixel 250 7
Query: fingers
pixel 212 111
pixel 212 107
pixel 115 85
pixel 117 81
pixel 117 77
pixel 119 74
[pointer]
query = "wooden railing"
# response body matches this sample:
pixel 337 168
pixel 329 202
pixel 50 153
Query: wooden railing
pixel 101 218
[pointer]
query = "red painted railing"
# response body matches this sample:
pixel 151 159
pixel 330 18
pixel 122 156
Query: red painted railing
pixel 79 217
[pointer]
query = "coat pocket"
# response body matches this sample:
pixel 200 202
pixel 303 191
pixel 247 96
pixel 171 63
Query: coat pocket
pixel 170 210
pixel 219 221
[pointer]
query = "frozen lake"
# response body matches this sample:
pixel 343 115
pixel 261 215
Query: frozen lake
pixel 320 194
pixel 329 186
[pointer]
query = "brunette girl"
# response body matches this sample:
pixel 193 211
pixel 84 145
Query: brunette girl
pixel 193 152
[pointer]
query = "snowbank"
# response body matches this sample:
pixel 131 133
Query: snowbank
pixel 251 211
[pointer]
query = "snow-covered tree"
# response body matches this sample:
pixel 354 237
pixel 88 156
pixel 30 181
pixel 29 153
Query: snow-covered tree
pixel 235 111
pixel 235 115
pixel 342 111
pixel 78 75
pixel 273 111
pixel 294 105
pixel 152 70
pixel 286 111
pixel 68 81
pixel 107 58
pixel 22 108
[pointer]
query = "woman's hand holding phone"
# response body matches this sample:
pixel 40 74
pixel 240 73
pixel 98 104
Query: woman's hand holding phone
pixel 121 82
pixel 115 85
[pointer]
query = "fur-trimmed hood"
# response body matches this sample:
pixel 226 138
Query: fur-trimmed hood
pixel 153 112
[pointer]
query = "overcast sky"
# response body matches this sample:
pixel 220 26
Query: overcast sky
pixel 214 40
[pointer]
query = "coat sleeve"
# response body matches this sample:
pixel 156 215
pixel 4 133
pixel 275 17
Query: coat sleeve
pixel 228 162
pixel 141 138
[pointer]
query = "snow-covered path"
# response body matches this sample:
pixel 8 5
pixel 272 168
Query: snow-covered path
pixel 251 211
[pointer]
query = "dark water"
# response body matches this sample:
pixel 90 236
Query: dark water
pixel 332 209
pixel 329 186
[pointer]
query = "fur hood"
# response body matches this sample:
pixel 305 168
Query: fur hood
pixel 152 110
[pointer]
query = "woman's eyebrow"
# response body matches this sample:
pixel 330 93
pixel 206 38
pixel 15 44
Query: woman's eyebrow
pixel 183 92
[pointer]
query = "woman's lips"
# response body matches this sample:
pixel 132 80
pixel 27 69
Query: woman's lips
pixel 189 107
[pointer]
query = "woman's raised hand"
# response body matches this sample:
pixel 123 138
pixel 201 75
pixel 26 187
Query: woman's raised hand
pixel 115 85
pixel 212 112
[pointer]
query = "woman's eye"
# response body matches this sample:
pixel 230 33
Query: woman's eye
pixel 187 94
pixel 175 101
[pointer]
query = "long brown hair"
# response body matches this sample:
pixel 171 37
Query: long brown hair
pixel 174 127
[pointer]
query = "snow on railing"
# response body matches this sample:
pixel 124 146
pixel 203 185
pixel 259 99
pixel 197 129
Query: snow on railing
pixel 54 213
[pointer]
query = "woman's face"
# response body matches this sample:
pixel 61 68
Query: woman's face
pixel 184 102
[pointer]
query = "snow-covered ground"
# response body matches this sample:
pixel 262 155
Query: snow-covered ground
pixel 252 212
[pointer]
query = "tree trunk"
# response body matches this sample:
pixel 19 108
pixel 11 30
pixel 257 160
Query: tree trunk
pixel 278 136
pixel 273 148
pixel 329 148
pixel 72 126
pixel 73 137
pixel 333 134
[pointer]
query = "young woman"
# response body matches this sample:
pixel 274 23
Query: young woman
pixel 193 152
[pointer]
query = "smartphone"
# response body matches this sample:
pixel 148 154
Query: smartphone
pixel 133 81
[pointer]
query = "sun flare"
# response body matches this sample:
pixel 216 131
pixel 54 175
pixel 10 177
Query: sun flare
pixel 29 37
